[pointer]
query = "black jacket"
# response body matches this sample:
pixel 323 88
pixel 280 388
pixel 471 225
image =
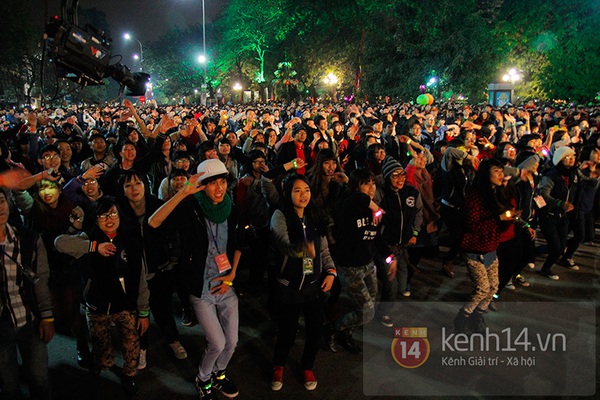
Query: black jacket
pixel 103 290
pixel 161 245
pixel 403 215
pixel 354 231
pixel 189 220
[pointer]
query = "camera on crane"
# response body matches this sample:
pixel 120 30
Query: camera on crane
pixel 83 54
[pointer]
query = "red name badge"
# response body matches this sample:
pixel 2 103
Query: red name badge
pixel 222 262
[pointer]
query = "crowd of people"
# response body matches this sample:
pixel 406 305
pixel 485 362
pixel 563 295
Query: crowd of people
pixel 119 208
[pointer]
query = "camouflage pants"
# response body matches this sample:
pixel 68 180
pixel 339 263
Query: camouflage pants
pixel 100 331
pixel 485 284
pixel 360 284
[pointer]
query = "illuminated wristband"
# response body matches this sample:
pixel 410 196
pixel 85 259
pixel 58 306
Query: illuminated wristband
pixel 143 314
pixel 390 259
pixel 295 164
pixel 187 183
pixel 415 233
pixel 378 213
pixel 93 246
pixel 409 141
pixel 228 283
pixel 51 319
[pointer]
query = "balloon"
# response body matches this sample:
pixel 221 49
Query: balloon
pixel 422 88
pixel 429 98
pixel 422 100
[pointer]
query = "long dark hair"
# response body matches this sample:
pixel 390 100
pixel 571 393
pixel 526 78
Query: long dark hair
pixel 127 177
pixel 313 218
pixel 494 198
pixel 315 173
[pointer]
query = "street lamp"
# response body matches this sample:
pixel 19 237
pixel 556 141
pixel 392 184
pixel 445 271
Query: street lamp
pixel 127 36
pixel 238 88
pixel 332 80
pixel 512 76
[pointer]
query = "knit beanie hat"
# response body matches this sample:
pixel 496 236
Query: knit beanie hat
pixel 390 165
pixel 561 153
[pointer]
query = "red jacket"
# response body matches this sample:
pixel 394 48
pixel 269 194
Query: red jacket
pixel 482 228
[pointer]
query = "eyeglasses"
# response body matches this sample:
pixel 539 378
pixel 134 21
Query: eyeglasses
pixel 49 157
pixel 397 175
pixel 90 182
pixel 182 160
pixel 105 217
pixel 75 218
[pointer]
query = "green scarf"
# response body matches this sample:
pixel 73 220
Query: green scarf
pixel 217 213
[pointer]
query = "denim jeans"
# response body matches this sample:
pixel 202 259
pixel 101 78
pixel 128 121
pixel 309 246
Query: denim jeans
pixel 361 286
pixel 577 225
pixel 219 318
pixel 555 232
pixel 389 288
pixel 161 305
pixel 34 354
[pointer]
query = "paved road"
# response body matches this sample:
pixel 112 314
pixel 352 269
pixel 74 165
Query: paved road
pixel 340 375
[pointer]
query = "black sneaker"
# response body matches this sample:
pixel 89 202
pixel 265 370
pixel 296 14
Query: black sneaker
pixel 347 341
pixel 550 275
pixel 224 385
pixel 84 358
pixel 204 389
pixel 569 263
pixel 332 340
pixel 188 318
pixel 129 386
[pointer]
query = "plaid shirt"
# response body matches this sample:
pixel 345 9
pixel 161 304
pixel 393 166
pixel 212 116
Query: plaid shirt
pixel 11 300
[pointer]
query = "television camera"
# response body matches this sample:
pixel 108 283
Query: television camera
pixel 83 54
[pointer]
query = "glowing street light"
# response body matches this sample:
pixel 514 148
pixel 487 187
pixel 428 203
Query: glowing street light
pixel 330 79
pixel 127 36
pixel 202 59
pixel 238 88
pixel 136 57
pixel 512 76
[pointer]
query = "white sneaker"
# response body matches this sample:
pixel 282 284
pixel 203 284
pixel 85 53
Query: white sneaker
pixel 178 350
pixel 142 363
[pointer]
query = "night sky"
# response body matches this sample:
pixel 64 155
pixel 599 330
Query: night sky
pixel 145 20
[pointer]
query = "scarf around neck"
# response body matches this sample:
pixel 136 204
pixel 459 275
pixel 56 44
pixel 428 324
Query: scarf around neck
pixel 217 213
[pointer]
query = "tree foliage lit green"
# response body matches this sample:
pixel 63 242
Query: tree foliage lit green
pixel 383 48
pixel 555 42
